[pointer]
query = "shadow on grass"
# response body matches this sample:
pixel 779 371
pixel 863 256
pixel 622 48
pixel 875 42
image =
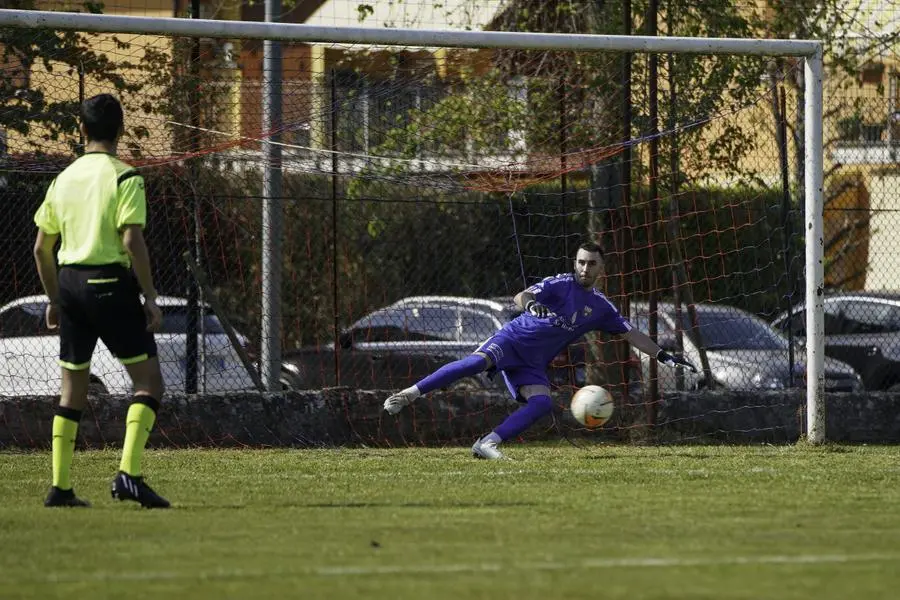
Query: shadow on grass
pixel 416 504
pixel 364 505
pixel 588 456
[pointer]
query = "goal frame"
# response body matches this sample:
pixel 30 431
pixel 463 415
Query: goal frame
pixel 811 51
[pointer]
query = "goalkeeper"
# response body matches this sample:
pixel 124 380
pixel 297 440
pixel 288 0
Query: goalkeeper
pixel 556 312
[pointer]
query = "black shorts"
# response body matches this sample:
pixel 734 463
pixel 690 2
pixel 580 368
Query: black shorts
pixel 101 301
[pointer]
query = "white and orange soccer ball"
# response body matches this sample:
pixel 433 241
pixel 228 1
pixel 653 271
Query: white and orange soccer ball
pixel 592 406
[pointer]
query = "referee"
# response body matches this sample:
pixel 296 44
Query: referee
pixel 96 209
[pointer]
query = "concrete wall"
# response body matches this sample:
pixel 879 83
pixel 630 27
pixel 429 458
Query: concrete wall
pixel 872 417
pixel 350 417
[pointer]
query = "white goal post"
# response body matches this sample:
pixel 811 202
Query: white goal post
pixel 811 51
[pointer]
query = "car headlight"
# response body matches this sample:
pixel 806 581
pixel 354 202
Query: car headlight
pixel 767 382
pixel 727 377
pixel 737 378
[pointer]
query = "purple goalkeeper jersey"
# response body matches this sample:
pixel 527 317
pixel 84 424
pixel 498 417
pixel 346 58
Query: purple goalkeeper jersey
pixel 576 311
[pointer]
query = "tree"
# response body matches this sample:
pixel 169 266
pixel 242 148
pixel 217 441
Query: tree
pixel 557 103
pixel 850 48
pixel 26 105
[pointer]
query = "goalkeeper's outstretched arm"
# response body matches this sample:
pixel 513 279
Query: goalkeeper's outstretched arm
pixel 645 344
pixel 527 301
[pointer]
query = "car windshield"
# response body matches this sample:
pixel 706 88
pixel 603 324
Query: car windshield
pixel 429 322
pixel 409 323
pixel 722 330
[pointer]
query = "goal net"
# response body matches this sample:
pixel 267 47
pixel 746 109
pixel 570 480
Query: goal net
pixel 425 179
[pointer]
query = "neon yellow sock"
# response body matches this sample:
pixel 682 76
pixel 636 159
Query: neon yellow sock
pixel 138 424
pixel 64 432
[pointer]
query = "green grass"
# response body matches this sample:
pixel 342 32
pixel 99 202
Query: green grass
pixel 557 522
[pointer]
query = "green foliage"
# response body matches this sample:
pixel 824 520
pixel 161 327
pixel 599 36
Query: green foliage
pixel 832 22
pixel 734 247
pixel 63 52
pixel 158 81
pixel 576 93
pixel 708 88
pixel 473 120
pixel 177 86
pixel 364 11
pixel 551 103
pixel 389 237
pixel 22 191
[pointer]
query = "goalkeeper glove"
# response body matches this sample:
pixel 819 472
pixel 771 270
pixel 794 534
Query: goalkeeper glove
pixel 671 360
pixel 537 309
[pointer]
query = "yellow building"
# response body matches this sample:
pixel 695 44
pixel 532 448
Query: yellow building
pixel 864 128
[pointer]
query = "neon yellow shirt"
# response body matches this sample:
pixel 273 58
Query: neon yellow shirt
pixel 88 204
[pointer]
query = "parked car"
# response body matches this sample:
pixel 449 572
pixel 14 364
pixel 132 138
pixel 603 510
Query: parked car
pixel 29 353
pixel 744 351
pixel 397 345
pixel 862 329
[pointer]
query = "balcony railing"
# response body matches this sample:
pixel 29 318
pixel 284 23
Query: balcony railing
pixel 868 141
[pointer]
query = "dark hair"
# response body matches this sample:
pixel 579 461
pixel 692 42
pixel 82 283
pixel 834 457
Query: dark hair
pixel 591 247
pixel 102 117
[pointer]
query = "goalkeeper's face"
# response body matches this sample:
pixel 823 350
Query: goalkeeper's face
pixel 588 267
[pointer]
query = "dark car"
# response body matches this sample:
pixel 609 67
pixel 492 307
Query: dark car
pixel 862 329
pixel 395 346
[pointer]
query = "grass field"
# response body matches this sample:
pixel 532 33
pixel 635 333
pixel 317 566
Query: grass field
pixel 557 522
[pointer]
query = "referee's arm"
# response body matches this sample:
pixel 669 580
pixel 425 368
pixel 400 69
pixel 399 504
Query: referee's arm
pixel 46 263
pixel 133 240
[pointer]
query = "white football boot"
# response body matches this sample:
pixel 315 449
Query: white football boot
pixel 487 450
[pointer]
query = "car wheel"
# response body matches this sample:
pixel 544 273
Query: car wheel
pixel 883 380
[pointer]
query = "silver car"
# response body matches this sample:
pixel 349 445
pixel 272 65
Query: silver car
pixel 29 353
pixel 744 351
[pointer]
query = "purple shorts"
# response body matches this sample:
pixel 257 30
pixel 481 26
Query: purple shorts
pixel 516 371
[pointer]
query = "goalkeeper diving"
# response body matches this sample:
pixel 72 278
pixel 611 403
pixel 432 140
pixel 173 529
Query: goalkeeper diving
pixel 556 311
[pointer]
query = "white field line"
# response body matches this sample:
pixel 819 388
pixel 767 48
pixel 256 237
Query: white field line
pixel 460 568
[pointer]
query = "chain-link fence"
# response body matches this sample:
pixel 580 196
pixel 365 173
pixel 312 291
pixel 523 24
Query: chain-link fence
pixel 422 189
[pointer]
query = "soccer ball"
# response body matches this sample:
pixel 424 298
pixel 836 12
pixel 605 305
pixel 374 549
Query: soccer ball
pixel 592 406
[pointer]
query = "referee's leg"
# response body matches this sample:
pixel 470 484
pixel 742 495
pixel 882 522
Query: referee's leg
pixel 129 483
pixel 77 339
pixel 148 392
pixel 146 377
pixel 120 319
pixel 74 391
pixel 72 400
